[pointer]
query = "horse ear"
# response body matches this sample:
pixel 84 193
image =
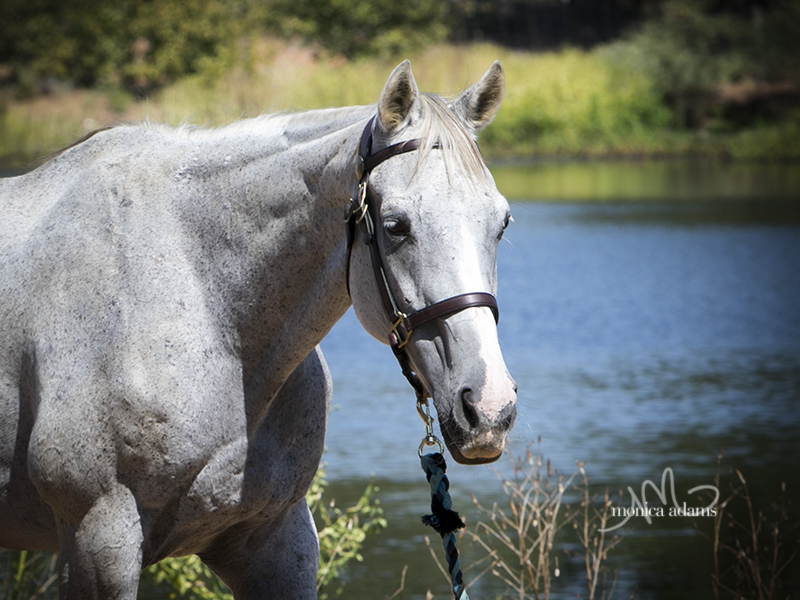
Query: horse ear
pixel 397 97
pixel 477 106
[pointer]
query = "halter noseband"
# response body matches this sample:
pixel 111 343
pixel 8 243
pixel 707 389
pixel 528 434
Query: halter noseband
pixel 363 211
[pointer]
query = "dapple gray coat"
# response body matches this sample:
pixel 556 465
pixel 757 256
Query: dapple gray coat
pixel 162 295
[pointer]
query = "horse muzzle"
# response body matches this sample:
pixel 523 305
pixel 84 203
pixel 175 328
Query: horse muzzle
pixel 479 420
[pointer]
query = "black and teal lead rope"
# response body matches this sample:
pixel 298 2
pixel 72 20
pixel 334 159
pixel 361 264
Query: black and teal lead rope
pixel 444 520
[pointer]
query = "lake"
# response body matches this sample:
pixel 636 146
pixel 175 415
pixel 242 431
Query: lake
pixel 646 325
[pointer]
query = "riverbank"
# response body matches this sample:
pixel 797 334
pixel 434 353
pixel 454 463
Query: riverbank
pixel 570 103
pixel 663 180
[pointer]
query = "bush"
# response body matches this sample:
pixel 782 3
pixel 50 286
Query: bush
pixel 570 102
pixel 695 48
pixel 32 575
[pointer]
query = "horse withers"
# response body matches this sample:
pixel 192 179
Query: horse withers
pixel 162 296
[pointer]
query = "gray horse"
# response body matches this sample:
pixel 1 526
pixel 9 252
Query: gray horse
pixel 162 296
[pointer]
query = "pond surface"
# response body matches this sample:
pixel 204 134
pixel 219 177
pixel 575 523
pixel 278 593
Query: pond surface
pixel 643 335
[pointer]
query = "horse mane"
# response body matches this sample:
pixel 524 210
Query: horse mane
pixel 439 127
pixel 43 160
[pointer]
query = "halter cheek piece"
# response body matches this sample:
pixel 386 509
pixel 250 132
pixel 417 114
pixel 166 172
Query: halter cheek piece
pixel 365 212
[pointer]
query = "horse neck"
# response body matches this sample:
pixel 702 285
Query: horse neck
pixel 272 236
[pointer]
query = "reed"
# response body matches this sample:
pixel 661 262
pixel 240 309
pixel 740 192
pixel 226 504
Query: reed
pixel 517 539
pixel 525 531
pixel 590 521
pixel 752 546
pixel 28 575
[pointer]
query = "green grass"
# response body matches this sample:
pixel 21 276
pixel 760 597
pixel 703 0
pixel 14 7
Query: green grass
pixel 566 103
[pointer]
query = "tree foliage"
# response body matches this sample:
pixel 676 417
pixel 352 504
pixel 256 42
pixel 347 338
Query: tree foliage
pixel 139 44
pixel 363 27
pixel 691 49
pixel 145 44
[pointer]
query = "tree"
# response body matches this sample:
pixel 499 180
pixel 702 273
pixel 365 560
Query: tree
pixel 140 44
pixel 362 27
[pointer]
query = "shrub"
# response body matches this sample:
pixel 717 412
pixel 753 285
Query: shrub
pixel 32 575
pixel 572 101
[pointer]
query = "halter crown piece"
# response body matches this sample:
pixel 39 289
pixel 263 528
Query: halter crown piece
pixel 363 211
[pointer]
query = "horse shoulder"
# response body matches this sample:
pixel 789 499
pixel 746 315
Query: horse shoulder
pixel 258 478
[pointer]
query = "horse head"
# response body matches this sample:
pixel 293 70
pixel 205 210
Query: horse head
pixel 435 219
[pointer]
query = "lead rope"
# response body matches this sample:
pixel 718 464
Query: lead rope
pixel 444 520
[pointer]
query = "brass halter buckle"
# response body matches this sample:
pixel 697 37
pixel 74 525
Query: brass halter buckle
pixel 359 209
pixel 424 411
pixel 401 340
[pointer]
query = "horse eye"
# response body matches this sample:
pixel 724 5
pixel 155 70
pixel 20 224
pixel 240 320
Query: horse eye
pixel 395 228
pixel 506 223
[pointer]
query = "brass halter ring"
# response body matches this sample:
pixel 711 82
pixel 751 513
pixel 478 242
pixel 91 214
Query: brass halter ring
pixel 424 411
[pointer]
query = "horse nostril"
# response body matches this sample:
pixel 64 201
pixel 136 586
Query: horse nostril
pixel 470 413
pixel 506 421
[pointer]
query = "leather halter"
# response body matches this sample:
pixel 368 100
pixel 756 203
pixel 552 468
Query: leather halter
pixel 364 211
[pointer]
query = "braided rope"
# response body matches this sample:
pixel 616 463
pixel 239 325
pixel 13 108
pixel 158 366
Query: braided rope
pixel 444 520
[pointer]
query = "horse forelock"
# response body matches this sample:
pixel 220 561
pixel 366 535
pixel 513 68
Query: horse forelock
pixel 440 127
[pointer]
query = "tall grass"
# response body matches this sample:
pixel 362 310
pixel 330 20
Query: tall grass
pixel 520 540
pixel 574 102
pixel 570 102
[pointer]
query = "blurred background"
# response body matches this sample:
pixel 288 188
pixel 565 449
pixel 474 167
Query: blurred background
pixel 649 286
pixel 585 77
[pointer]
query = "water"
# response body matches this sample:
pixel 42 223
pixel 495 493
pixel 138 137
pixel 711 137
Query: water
pixel 643 335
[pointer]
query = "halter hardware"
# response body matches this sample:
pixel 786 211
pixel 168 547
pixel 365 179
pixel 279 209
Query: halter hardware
pixel 424 411
pixel 401 340
pixel 361 207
